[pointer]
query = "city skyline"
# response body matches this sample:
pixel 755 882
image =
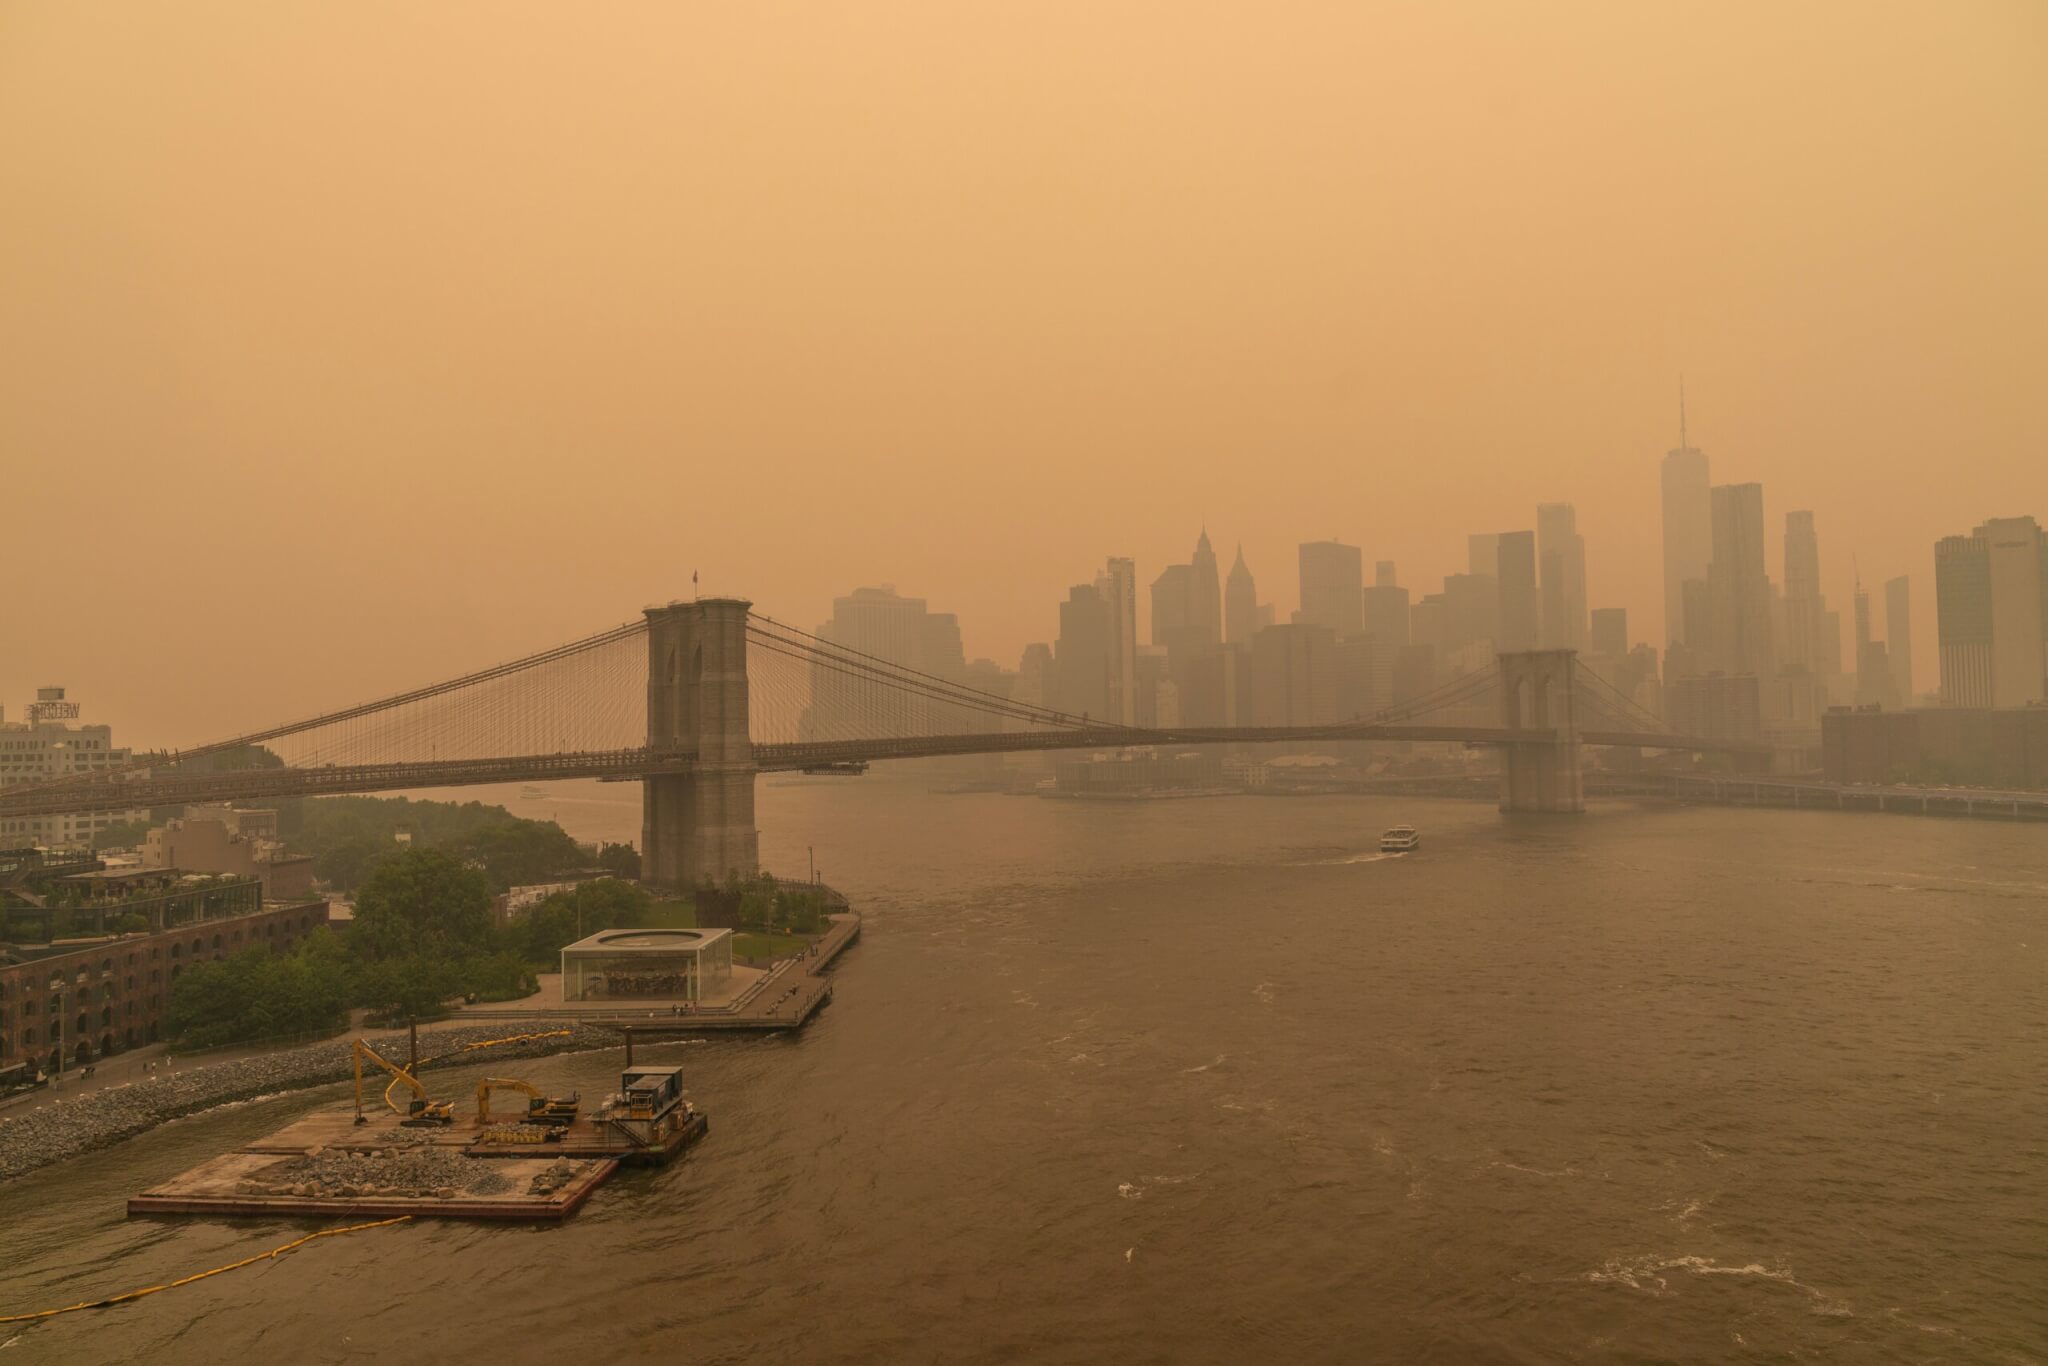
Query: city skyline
pixel 520 370
pixel 1272 601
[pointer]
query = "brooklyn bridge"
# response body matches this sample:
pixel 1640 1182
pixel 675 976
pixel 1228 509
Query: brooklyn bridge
pixel 694 699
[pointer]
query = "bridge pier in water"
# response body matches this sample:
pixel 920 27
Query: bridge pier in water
pixel 1536 693
pixel 699 824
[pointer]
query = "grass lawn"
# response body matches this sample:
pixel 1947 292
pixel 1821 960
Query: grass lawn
pixel 767 945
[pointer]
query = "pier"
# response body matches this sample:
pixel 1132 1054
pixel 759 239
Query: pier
pixel 787 996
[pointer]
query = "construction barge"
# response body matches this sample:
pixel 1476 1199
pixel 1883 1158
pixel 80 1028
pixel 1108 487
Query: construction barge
pixel 422 1160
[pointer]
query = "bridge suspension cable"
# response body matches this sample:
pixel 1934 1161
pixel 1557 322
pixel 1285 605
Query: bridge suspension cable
pixel 1616 705
pixel 883 676
pixel 503 700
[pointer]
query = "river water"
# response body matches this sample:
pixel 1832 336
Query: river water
pixel 1211 1080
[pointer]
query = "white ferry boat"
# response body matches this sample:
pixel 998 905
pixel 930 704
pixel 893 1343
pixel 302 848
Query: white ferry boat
pixel 1400 840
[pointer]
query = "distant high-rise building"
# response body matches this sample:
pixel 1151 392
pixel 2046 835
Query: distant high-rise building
pixel 1240 604
pixel 1806 613
pixel 881 622
pixel 1520 617
pixel 1294 676
pixel 1034 676
pixel 1561 560
pixel 1118 583
pixel 1205 593
pixel 1482 554
pixel 1991 614
pixel 1898 637
pixel 1172 619
pixel 1471 606
pixel 1610 632
pixel 1386 615
pixel 1158 701
pixel 1365 677
pixel 1332 587
pixel 1715 707
pixel 1873 674
pixel 1738 591
pixel 1688 526
pixel 1082 655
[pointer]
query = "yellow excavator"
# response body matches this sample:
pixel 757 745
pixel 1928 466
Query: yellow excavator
pixel 554 1111
pixel 421 1113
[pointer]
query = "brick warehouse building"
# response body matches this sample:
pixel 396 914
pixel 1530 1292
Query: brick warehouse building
pixel 108 995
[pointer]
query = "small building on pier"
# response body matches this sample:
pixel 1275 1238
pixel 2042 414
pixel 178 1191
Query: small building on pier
pixel 648 965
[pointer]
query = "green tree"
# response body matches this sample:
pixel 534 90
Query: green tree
pixel 120 835
pixel 409 988
pixel 421 904
pixel 519 852
pixel 346 864
pixel 564 917
pixel 620 860
pixel 258 995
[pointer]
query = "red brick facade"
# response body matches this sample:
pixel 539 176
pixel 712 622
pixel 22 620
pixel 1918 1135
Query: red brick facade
pixel 112 996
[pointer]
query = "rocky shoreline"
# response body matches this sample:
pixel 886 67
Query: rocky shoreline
pixel 52 1133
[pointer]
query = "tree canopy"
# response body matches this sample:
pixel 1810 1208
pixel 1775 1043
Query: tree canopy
pixel 421 903
pixel 260 995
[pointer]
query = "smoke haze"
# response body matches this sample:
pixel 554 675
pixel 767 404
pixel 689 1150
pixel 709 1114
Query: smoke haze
pixel 347 347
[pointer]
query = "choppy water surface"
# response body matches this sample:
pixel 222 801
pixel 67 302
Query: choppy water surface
pixel 1212 1081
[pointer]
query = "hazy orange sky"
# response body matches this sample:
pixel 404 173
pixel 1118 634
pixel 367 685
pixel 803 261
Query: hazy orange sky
pixel 344 347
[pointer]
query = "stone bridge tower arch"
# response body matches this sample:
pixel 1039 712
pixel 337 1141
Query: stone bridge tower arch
pixel 1538 692
pixel 699 824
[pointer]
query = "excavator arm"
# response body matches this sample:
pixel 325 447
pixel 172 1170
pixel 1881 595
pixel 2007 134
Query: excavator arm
pixel 423 1107
pixel 558 1111
pixel 541 1108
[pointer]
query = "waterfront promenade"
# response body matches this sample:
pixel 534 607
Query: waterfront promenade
pixel 786 996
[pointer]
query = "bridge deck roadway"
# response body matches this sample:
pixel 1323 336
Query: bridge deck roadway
pixel 171 788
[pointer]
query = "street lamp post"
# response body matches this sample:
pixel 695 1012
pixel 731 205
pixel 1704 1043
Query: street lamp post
pixel 57 987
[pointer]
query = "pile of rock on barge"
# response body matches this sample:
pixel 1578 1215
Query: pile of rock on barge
pixel 431 1162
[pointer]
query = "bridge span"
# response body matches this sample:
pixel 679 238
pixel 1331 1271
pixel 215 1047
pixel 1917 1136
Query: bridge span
pixel 697 753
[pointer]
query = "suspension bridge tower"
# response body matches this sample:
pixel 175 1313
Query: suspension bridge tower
pixel 699 824
pixel 1537 692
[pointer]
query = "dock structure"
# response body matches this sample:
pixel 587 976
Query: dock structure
pixel 326 1164
pixel 785 997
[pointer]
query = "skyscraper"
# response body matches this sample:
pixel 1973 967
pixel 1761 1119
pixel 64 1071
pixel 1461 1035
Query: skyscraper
pixel 1873 675
pixel 1520 619
pixel 1118 584
pixel 1205 594
pixel 1471 606
pixel 1386 612
pixel 1805 610
pixel 2018 552
pixel 1240 604
pixel 1898 637
pixel 881 622
pixel 1962 619
pixel 1561 557
pixel 1610 632
pixel 1688 527
pixel 1332 587
pixel 1738 592
pixel 1172 618
pixel 1991 614
pixel 1482 554
pixel 1082 655
pixel 1294 676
